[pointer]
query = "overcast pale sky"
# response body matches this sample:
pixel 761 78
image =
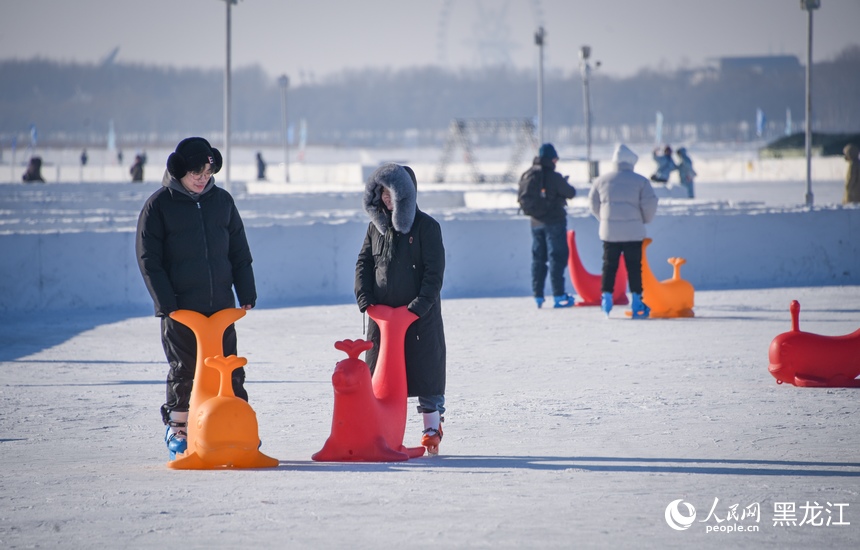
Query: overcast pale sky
pixel 314 38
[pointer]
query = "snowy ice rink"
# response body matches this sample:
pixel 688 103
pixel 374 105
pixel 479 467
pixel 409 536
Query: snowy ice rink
pixel 564 430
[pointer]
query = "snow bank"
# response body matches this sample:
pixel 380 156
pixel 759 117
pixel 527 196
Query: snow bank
pixel 72 245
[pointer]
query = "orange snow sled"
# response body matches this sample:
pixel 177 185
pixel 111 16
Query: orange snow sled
pixel 670 298
pixel 222 428
pixel 810 360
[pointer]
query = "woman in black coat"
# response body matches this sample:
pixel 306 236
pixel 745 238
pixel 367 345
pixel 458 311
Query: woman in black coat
pixel 402 263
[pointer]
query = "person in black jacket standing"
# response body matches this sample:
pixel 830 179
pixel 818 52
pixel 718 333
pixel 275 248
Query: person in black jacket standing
pixel 192 251
pixel 543 195
pixel 402 263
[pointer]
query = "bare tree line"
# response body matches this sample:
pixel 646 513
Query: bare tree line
pixel 74 103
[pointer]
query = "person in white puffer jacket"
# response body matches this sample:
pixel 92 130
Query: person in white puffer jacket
pixel 623 201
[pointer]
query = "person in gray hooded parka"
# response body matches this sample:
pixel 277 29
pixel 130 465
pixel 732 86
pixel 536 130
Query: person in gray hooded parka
pixel 624 202
pixel 402 263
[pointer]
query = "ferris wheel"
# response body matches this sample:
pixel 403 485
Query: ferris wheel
pixel 482 27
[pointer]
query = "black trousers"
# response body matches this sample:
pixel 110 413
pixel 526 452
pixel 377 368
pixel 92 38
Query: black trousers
pixel 632 260
pixel 180 348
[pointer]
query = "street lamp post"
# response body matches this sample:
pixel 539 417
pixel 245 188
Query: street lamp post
pixel 227 101
pixel 809 6
pixel 539 37
pixel 284 82
pixel 584 54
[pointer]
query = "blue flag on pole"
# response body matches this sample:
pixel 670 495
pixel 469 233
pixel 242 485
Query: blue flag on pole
pixel 759 122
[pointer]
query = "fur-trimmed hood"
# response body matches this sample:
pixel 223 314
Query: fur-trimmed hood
pixel 404 191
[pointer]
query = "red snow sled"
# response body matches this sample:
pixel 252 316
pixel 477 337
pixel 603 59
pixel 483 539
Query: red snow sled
pixel 369 416
pixel 810 360
pixel 587 285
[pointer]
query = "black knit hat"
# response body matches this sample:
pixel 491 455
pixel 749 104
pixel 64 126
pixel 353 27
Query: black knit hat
pixel 191 155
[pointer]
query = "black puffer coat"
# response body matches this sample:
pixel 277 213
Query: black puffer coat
pixel 192 250
pixel 404 266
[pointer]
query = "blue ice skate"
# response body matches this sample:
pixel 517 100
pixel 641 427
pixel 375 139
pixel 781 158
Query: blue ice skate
pixel 176 443
pixel 606 303
pixel 638 308
pixel 565 300
pixel 176 434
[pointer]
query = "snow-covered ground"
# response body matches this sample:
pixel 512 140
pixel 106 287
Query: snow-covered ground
pixel 563 429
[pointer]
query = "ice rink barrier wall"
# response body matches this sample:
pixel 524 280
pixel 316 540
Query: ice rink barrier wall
pixel 486 257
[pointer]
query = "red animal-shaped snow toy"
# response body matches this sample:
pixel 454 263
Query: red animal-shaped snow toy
pixel 810 360
pixel 587 285
pixel 369 416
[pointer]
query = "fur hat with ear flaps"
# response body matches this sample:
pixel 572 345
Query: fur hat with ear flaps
pixel 191 155
pixel 403 189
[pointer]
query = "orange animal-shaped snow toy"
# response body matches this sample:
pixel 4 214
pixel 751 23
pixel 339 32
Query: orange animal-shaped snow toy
pixel 670 298
pixel 369 416
pixel 587 285
pixel 226 427
pixel 209 332
pixel 810 360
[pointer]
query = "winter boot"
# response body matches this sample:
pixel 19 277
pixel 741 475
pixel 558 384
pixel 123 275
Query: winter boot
pixel 638 308
pixel 176 434
pixel 565 300
pixel 432 434
pixel 606 303
pixel 539 301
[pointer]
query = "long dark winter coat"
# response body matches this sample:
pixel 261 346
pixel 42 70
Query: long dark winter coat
pixel 556 187
pixel 401 263
pixel 192 250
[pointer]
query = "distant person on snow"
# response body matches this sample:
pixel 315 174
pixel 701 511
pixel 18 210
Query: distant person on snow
pixel 852 176
pixel 192 251
pixel 402 263
pixel 33 173
pixel 542 196
pixel 136 169
pixel 685 171
pixel 623 202
pixel 665 164
pixel 261 167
